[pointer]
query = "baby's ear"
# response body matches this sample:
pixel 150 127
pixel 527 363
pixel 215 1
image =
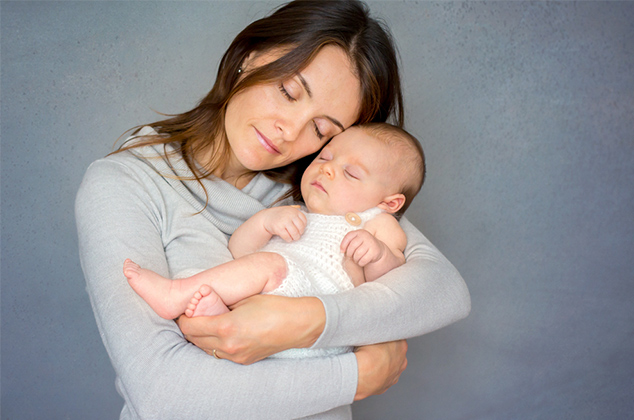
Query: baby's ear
pixel 392 203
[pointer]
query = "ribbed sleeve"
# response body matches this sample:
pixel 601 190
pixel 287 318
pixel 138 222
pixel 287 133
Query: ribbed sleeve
pixel 126 210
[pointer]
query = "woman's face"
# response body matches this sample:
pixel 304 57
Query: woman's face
pixel 272 125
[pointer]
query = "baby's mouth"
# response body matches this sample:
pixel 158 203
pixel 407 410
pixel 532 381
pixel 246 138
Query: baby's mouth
pixel 318 185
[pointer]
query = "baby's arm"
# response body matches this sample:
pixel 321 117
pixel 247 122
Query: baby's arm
pixel 378 248
pixel 287 222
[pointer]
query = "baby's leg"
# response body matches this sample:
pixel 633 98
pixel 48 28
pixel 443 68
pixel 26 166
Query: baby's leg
pixel 252 274
pixel 167 297
pixel 232 282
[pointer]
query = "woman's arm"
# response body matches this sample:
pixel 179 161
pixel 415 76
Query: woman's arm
pixel 425 294
pixel 160 375
pixel 379 365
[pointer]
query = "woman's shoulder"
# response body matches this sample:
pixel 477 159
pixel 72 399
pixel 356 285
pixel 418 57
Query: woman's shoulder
pixel 116 165
pixel 153 160
pixel 123 172
pixel 133 156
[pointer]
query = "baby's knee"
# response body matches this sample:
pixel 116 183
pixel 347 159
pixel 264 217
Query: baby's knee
pixel 276 266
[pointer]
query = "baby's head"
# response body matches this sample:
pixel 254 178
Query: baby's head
pixel 366 166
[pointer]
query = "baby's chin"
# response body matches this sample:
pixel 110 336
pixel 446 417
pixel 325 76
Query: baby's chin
pixel 317 204
pixel 313 208
pixel 328 212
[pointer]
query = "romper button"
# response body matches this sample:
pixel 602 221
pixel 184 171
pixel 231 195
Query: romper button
pixel 353 219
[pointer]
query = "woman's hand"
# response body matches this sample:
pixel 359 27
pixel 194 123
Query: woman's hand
pixel 257 327
pixel 380 367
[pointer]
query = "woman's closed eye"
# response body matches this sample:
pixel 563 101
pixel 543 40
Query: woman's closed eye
pixel 285 93
pixel 290 98
pixel 320 136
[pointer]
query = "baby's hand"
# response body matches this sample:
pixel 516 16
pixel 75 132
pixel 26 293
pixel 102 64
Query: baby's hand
pixel 362 247
pixel 287 222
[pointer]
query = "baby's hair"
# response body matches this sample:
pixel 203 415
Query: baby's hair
pixel 410 157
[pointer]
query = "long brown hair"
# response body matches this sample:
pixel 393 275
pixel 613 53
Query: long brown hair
pixel 301 28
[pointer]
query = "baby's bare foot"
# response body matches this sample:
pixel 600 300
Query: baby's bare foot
pixel 205 302
pixel 168 298
pixel 131 269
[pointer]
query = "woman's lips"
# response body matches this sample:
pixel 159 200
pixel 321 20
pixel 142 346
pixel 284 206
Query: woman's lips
pixel 266 143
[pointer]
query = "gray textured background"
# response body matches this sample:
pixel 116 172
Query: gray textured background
pixel 526 114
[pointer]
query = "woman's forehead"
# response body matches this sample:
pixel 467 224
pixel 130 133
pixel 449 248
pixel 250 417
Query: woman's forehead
pixel 328 79
pixel 334 85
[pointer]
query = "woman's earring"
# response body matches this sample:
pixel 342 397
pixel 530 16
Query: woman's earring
pixel 239 70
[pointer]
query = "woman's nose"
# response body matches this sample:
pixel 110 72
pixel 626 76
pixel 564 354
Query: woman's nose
pixel 289 128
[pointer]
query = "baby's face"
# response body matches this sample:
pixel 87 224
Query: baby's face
pixel 353 173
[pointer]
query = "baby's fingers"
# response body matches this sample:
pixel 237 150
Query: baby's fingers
pixel 293 230
pixel 361 253
pixel 347 240
pixel 292 233
pixel 353 241
pixel 362 257
pixel 300 223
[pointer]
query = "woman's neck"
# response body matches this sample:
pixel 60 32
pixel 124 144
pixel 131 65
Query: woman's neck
pixel 230 171
pixel 239 181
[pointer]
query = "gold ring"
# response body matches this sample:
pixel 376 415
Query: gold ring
pixel 213 353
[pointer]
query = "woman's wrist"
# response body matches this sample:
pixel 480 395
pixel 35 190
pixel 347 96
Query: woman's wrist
pixel 312 320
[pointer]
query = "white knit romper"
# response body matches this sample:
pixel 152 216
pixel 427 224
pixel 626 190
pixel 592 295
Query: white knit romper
pixel 315 264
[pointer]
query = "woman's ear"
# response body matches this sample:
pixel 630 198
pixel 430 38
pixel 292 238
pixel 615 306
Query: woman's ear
pixel 392 203
pixel 257 59
pixel 247 63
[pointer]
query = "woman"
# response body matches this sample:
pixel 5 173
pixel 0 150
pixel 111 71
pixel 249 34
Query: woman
pixel 169 201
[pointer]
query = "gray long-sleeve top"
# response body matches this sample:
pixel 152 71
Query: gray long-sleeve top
pixel 130 206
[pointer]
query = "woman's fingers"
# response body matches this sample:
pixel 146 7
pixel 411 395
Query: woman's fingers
pixel 257 327
pixel 380 367
pixel 197 326
pixel 211 334
pixel 204 332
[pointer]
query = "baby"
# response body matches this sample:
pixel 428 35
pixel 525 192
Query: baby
pixel 346 235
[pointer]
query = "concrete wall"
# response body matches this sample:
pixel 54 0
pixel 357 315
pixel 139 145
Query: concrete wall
pixel 525 111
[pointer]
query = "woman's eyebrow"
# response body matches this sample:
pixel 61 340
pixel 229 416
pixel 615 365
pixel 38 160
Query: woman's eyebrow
pixel 310 95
